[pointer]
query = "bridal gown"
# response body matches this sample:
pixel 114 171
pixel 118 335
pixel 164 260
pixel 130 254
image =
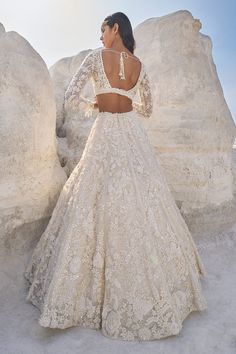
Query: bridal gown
pixel 116 254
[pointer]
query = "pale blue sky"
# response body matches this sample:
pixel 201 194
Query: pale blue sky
pixel 61 28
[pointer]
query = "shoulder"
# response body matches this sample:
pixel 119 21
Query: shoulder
pixel 135 57
pixel 92 56
pixel 88 55
pixel 116 52
pixel 89 58
pixel 95 52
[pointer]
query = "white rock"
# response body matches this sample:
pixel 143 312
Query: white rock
pixel 191 128
pixel 31 176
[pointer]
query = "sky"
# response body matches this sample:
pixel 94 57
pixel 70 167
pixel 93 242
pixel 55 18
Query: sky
pixel 62 28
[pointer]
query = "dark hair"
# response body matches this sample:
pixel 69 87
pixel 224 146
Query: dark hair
pixel 125 29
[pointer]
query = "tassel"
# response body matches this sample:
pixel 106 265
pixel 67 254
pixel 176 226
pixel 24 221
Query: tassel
pixel 87 106
pixel 122 69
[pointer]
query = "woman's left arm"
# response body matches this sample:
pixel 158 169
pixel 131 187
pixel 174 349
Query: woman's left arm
pixel 82 75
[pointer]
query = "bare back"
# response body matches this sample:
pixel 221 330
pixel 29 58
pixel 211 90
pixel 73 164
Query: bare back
pixel 114 102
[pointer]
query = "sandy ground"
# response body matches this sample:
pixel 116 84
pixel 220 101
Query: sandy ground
pixel 211 331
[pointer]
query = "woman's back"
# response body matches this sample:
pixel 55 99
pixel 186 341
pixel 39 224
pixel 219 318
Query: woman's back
pixel 111 64
pixel 104 66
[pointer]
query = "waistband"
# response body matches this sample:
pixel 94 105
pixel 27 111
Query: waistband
pixel 117 114
pixel 120 91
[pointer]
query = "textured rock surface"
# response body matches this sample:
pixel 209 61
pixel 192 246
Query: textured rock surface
pixel 31 176
pixel 192 128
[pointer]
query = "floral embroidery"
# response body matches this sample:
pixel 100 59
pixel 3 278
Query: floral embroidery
pixel 112 323
pixel 117 254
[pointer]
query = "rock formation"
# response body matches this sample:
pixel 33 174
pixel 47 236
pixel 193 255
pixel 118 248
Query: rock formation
pixel 192 128
pixel 31 176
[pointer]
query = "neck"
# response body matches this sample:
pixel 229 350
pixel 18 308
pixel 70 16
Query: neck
pixel 120 48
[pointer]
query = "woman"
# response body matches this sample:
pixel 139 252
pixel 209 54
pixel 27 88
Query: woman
pixel 116 254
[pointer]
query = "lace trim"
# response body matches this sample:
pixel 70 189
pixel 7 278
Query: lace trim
pixel 113 90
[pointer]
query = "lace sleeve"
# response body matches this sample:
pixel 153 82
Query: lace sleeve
pixel 73 95
pixel 146 106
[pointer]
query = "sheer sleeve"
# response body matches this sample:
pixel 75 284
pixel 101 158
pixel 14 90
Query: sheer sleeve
pixel 145 107
pixel 73 96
